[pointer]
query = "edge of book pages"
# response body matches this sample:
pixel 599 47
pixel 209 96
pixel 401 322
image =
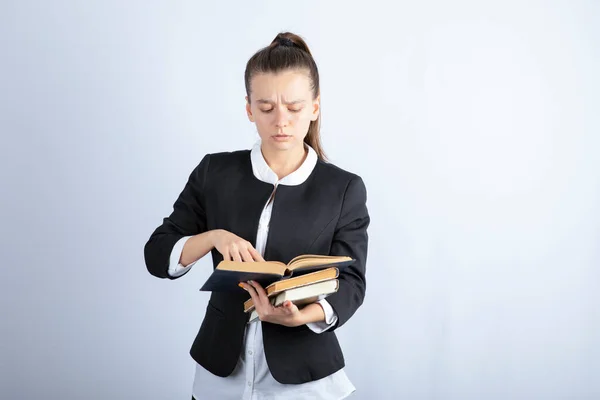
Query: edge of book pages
pixel 249 304
pixel 308 260
pixel 278 299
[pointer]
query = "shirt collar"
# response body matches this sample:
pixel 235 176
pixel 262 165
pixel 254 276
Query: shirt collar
pixel 264 173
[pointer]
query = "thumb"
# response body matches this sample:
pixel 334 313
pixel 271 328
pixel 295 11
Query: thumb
pixel 291 307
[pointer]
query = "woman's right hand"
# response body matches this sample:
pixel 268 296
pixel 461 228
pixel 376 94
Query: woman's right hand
pixel 233 247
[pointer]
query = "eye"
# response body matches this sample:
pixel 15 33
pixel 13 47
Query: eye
pixel 293 110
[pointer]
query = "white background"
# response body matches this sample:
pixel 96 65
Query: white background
pixel 474 125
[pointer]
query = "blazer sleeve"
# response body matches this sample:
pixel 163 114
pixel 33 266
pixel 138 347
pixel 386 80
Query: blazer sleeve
pixel 187 219
pixel 351 239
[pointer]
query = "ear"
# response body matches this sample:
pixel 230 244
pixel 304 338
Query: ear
pixel 248 111
pixel 316 108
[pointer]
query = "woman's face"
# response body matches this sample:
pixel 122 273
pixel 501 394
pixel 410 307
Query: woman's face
pixel 282 107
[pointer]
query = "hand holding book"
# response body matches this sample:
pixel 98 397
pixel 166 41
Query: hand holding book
pixel 287 314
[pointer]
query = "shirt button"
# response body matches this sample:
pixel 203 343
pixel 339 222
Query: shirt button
pixel 249 383
pixel 250 352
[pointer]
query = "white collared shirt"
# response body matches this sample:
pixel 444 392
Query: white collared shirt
pixel 251 378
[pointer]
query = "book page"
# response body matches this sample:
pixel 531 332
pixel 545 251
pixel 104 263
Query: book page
pixel 266 267
pixel 306 261
pixel 302 280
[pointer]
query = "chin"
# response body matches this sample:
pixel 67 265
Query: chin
pixel 282 145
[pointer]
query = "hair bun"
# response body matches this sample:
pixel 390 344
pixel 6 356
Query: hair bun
pixel 283 41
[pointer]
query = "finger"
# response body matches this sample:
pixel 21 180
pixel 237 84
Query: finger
pixel 261 295
pixel 287 305
pixel 259 289
pixel 290 307
pixel 235 254
pixel 226 255
pixel 255 299
pixel 251 291
pixel 246 255
pixel 255 254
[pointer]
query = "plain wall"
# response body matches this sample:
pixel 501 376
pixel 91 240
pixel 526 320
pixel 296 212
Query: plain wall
pixel 474 125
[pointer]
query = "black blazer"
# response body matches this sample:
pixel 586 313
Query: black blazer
pixel 326 214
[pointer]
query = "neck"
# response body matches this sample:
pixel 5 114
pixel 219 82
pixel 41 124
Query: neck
pixel 284 162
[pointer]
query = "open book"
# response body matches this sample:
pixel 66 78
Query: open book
pixel 302 295
pixel 228 274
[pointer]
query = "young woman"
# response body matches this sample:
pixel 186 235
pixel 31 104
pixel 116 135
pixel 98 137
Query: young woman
pixel 276 201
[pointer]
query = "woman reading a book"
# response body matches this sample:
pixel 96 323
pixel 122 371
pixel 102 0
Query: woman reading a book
pixel 277 201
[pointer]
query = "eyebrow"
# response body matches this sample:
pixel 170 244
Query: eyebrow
pixel 266 101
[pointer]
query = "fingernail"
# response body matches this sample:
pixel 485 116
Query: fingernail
pixel 242 286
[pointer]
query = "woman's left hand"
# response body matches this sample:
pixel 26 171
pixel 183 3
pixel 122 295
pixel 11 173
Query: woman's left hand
pixel 287 314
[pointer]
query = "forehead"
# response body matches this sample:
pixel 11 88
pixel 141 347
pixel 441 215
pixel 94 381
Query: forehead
pixel 285 86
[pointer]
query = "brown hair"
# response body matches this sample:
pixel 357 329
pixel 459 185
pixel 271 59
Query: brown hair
pixel 289 51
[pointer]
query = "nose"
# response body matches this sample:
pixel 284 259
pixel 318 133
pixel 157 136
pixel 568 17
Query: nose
pixel 281 118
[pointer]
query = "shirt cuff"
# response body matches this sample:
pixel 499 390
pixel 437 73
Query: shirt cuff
pixel 330 318
pixel 175 268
